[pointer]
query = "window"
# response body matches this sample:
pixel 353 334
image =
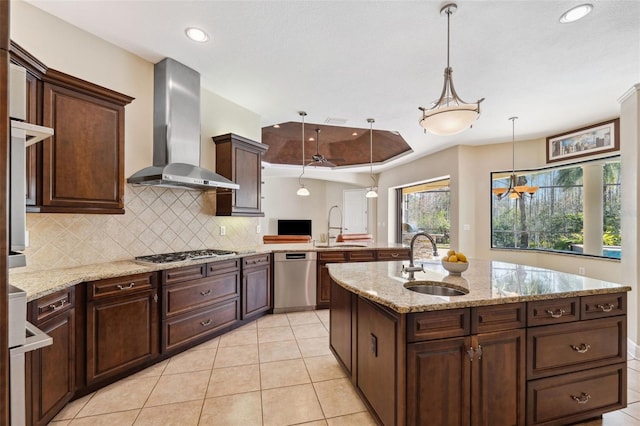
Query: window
pixel 425 207
pixel 553 218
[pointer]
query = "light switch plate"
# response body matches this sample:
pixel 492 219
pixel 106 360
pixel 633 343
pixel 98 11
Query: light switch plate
pixel 223 230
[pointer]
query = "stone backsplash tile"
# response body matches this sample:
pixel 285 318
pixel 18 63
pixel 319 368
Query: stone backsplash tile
pixel 156 220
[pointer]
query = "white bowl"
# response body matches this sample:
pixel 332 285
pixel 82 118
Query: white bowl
pixel 455 268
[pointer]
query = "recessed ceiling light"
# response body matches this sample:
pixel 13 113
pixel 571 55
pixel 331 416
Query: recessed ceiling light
pixel 196 34
pixel 354 134
pixel 312 139
pixel 276 126
pixel 576 13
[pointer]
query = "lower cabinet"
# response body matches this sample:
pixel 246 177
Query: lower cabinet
pixel 122 325
pixel 342 324
pixel 256 285
pixel 52 368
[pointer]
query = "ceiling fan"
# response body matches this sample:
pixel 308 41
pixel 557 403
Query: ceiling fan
pixel 319 160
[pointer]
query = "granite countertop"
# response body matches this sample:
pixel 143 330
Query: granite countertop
pixel 487 282
pixel 42 283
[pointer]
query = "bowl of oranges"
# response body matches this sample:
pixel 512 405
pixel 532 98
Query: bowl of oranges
pixel 455 262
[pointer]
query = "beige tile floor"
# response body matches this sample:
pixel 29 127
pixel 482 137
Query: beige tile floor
pixel 277 370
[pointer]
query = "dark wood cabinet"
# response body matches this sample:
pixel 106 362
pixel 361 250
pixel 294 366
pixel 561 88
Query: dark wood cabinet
pixel 240 160
pixel 122 326
pixel 52 368
pixel 256 285
pixel 342 324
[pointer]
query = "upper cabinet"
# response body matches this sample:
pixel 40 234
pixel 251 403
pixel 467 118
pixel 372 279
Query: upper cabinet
pixel 240 160
pixel 81 168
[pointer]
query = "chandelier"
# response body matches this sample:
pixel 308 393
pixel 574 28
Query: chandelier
pixel 302 191
pixel 371 193
pixel 450 114
pixel 514 191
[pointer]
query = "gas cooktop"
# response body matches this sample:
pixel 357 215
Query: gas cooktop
pixel 181 256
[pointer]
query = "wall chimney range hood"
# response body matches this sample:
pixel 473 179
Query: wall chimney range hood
pixel 176 133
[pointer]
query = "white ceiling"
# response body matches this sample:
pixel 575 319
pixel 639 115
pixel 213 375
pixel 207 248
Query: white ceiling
pixel 383 59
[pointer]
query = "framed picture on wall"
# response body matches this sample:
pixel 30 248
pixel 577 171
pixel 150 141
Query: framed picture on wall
pixel 590 140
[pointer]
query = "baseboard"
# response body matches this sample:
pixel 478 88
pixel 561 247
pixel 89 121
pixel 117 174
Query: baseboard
pixel 633 349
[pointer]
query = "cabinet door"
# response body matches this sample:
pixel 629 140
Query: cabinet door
pixel 53 368
pixel 341 324
pixel 122 333
pixel 438 382
pixel 83 163
pixel 498 378
pixel 323 287
pixel 376 354
pixel 256 291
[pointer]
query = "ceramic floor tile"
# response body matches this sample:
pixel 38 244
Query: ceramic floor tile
pixel 619 418
pixel 290 405
pixel 283 373
pixel 191 361
pixel 209 344
pixel 232 380
pixel 323 368
pixel 275 334
pixel 239 409
pixel 315 423
pixel 634 364
pixel 236 355
pixel 360 419
pixel 633 410
pixel 180 414
pixel 278 351
pixel 632 396
pixel 153 371
pixel 305 317
pixel 276 320
pixel 119 396
pixel 239 338
pixel 250 326
pixel 338 397
pixel 73 408
pixel 59 423
pixel 308 331
pixel 323 314
pixel 179 388
pixel 122 418
pixel 633 380
pixel 317 346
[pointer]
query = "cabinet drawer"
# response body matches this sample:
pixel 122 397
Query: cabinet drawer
pixel 120 286
pixel 554 311
pixel 572 397
pixel 603 305
pixel 570 347
pixel 223 266
pixel 498 317
pixel 54 304
pixel 256 261
pixel 399 254
pixel 362 256
pixel 198 293
pixel 178 275
pixel 332 256
pixel 438 324
pixel 193 326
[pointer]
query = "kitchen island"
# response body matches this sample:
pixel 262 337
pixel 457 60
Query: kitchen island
pixel 521 345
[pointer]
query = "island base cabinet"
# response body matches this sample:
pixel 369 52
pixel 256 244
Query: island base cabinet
pixel 578 396
pixel 341 323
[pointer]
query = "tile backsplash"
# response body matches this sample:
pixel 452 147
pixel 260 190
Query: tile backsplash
pixel 157 220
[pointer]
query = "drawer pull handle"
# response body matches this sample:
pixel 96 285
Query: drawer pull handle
pixel 470 353
pixel 583 348
pixel 125 287
pixel 479 352
pixel 58 306
pixel 557 313
pixel 394 255
pixel 606 308
pixel 582 399
pixel 205 323
pixel 204 293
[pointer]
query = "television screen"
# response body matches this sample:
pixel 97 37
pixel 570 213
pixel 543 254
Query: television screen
pixel 294 227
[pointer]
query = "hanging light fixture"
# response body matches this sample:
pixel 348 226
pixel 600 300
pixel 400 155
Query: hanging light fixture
pixel 514 191
pixel 450 114
pixel 302 191
pixel 371 193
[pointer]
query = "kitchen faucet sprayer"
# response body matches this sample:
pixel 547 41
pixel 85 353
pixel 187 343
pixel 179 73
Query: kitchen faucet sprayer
pixel 329 227
pixel 412 268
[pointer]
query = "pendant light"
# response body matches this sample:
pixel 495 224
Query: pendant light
pixel 302 191
pixel 371 193
pixel 450 114
pixel 514 191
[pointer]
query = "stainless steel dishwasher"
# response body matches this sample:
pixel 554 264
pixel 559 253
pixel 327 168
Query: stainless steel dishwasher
pixel 295 281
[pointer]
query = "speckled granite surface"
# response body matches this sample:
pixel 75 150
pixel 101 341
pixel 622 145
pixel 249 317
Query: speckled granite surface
pixel 41 283
pixel 487 282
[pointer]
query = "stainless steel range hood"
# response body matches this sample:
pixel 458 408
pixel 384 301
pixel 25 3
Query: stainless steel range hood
pixel 176 133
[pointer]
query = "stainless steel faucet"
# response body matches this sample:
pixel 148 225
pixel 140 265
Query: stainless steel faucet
pixel 412 268
pixel 329 227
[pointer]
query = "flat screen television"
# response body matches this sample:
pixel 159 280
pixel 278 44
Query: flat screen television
pixel 294 227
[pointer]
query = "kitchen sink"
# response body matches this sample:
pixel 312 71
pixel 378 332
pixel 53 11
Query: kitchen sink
pixel 434 288
pixel 339 245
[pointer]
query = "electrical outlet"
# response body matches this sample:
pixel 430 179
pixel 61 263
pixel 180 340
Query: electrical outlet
pixel 466 227
pixel 258 229
pixel 223 230
pixel 581 270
